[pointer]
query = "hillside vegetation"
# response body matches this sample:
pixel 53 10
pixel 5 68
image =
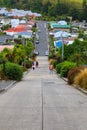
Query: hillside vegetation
pixel 10 3
pixel 69 2
pixel 53 9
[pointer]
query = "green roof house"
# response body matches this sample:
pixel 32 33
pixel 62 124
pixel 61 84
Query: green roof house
pixel 61 25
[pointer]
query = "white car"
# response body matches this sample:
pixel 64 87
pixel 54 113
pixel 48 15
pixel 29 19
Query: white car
pixel 36 52
pixel 39 31
pixel 46 53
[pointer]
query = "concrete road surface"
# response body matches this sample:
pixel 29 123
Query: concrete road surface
pixel 43 102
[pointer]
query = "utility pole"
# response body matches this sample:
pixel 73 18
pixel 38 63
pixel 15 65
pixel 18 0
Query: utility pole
pixel 62 46
pixel 62 50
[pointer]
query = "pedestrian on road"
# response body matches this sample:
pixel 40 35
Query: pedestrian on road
pixel 36 63
pixel 33 65
pixel 51 68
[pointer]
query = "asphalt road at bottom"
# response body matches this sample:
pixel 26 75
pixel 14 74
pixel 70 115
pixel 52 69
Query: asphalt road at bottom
pixel 43 102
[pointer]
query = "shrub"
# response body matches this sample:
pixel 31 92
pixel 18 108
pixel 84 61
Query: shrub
pixel 1 74
pixel 58 67
pixel 51 56
pixel 73 73
pixel 51 61
pixel 23 68
pixel 13 71
pixel 27 64
pixel 66 67
pixel 81 79
pixel 55 62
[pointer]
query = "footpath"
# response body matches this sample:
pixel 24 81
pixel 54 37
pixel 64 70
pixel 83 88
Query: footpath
pixel 4 85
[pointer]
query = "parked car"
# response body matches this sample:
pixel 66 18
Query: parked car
pixel 39 31
pixel 37 42
pixel 46 53
pixel 36 52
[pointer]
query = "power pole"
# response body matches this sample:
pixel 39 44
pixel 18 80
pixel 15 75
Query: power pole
pixel 62 46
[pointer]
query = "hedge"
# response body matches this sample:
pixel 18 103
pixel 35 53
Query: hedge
pixel 64 67
pixel 13 71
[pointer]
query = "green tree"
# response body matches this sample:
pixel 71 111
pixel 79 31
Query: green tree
pixel 74 12
pixel 61 9
pixel 76 52
pixel 19 54
pixel 45 8
pixel 52 11
pixel 84 12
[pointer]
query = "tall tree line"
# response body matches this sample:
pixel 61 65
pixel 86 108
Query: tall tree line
pixel 51 8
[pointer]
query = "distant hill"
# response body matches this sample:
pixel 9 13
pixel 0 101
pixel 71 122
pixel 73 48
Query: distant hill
pixel 77 3
pixel 51 8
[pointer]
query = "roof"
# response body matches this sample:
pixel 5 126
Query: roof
pixel 61 34
pixel 32 22
pixel 15 30
pixel 6 46
pixel 62 22
pixel 59 26
pixel 25 33
pixel 3 38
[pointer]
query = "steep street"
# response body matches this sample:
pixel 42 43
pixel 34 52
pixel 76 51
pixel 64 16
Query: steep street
pixel 43 102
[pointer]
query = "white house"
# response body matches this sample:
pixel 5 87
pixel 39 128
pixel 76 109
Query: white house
pixel 5 21
pixel 14 23
pixel 61 34
pixel 24 35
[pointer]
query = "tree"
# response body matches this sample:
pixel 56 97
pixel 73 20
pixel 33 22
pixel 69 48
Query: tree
pixel 19 54
pixel 51 11
pixel 84 12
pixel 61 9
pixel 74 13
pixel 45 8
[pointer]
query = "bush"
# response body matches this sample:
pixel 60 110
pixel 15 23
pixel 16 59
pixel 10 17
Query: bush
pixel 66 66
pixel 73 73
pixel 27 64
pixel 55 62
pixel 81 79
pixel 23 68
pixel 51 61
pixel 58 67
pixel 13 71
pixel 1 74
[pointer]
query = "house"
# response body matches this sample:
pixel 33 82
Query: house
pixel 2 47
pixel 13 31
pixel 61 34
pixel 67 41
pixel 14 22
pixel 5 21
pixel 3 11
pixel 31 22
pixel 4 38
pixel 61 25
pixel 21 13
pixel 24 35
